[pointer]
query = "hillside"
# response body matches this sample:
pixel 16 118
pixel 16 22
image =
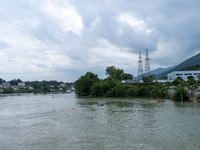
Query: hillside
pixel 189 68
pixel 161 70
pixel 189 62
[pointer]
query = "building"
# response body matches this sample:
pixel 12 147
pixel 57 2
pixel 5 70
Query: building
pixel 63 85
pixel 129 81
pixel 21 84
pixel 51 86
pixel 72 88
pixel 5 84
pixel 183 74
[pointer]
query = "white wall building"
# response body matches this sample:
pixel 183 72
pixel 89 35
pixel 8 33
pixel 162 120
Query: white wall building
pixel 5 84
pixel 183 74
pixel 21 84
pixel 63 85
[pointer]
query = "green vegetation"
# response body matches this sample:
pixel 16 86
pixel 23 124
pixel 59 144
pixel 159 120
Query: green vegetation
pixel 15 82
pixel 189 68
pixel 149 78
pixel 117 74
pixel 178 81
pixel 42 87
pixel 180 95
pixel 90 85
pixel 1 80
pixel 8 90
pixel 84 84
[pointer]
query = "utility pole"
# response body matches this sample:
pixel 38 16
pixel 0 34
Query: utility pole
pixel 147 64
pixel 140 68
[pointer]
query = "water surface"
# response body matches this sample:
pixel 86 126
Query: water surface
pixel 40 122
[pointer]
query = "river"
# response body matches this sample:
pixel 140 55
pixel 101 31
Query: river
pixel 40 122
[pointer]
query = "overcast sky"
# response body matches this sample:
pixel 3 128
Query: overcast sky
pixel 63 39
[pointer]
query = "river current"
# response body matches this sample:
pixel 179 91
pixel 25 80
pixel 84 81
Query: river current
pixel 68 122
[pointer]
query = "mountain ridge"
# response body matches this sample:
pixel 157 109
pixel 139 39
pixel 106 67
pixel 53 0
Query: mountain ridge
pixel 188 62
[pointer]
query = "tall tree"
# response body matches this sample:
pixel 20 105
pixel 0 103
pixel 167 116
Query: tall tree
pixel 84 84
pixel 109 69
pixel 127 76
pixel 148 78
pixel 117 74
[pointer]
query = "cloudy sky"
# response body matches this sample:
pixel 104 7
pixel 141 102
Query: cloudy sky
pixel 63 39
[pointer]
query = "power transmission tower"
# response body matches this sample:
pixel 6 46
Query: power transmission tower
pixel 147 64
pixel 140 69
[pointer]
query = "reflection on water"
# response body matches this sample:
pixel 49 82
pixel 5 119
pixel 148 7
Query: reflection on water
pixel 39 121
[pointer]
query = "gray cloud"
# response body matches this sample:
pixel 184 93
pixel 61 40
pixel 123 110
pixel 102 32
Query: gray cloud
pixel 113 32
pixel 4 45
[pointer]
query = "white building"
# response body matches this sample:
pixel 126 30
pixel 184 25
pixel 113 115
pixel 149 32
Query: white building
pixel 5 84
pixel 183 74
pixel 21 84
pixel 63 85
pixel 72 88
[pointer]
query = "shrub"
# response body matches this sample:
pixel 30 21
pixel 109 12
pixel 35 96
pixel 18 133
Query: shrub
pixel 8 90
pixel 130 92
pixel 180 92
pixel 119 90
pixel 142 90
pixel 109 94
pixel 97 90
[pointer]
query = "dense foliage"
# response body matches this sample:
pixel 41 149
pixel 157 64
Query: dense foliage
pixel 148 78
pixel 15 82
pixel 180 95
pixel 178 81
pixel 8 90
pixel 91 85
pixel 84 84
pixel 189 68
pixel 1 80
pixel 43 86
pixel 117 74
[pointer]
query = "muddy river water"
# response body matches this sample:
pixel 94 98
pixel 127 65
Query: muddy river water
pixel 68 122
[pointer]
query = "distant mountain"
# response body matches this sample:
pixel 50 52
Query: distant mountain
pixel 158 71
pixel 189 62
pixel 161 70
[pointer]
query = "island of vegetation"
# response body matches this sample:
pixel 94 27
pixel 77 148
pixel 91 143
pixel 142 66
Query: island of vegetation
pixel 90 85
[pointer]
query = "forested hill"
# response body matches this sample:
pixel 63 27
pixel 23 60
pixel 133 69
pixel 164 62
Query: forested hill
pixel 189 62
pixel 195 67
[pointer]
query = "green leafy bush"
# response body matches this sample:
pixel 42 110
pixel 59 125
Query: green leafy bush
pixel 142 90
pixel 97 90
pixel 84 84
pixel 109 94
pixel 180 93
pixel 8 90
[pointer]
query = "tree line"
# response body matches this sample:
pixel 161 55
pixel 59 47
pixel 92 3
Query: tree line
pixel 43 86
pixel 90 85
pixel 190 68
